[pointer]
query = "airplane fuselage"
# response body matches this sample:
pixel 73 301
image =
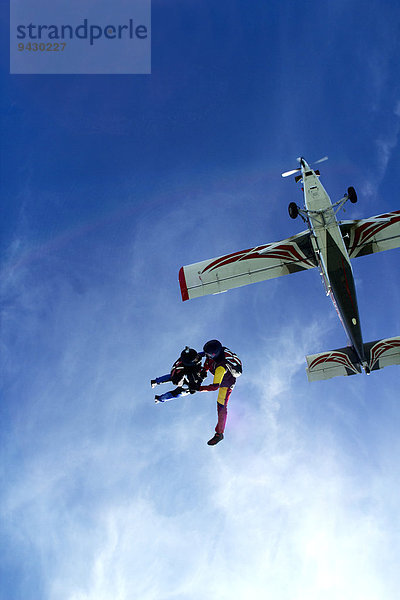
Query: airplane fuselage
pixel 332 256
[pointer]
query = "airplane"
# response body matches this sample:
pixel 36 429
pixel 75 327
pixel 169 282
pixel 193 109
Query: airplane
pixel 327 244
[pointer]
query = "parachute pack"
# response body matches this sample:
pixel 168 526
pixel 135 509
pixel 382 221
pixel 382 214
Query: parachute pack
pixel 233 362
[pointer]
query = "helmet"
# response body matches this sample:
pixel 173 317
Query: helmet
pixel 189 356
pixel 213 348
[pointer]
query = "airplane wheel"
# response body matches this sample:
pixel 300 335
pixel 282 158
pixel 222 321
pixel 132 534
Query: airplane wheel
pixel 293 210
pixel 351 192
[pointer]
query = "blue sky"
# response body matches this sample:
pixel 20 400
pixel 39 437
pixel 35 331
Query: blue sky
pixel 109 184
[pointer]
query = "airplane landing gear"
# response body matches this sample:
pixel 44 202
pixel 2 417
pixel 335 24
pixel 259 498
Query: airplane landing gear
pixel 351 192
pixel 293 210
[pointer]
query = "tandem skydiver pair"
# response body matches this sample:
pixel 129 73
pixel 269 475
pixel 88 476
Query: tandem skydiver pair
pixel 191 368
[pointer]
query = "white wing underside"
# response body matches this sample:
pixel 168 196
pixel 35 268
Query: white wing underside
pixel 367 236
pixel 247 266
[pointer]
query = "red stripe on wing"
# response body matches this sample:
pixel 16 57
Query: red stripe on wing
pixel 232 258
pixel 363 233
pixel 285 253
pixel 333 357
pixel 380 348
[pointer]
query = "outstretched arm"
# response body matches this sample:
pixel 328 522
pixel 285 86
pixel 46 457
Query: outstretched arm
pixel 209 388
pixel 219 373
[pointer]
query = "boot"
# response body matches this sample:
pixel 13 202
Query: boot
pixel 218 437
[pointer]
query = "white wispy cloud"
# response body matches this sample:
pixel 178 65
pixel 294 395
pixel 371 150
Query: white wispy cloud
pixel 137 505
pixel 385 145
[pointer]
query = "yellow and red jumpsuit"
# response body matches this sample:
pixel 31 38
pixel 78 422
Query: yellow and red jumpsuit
pixel 224 382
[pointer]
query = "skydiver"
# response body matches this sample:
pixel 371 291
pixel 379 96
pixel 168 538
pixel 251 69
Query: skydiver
pixel 187 373
pixel 226 368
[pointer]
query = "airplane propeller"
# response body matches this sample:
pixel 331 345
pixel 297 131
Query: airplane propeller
pixel 323 159
pixel 293 171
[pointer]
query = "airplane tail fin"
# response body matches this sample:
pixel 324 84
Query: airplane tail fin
pixel 344 361
pixel 383 353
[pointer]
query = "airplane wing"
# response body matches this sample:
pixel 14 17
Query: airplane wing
pixel 248 266
pixel 367 236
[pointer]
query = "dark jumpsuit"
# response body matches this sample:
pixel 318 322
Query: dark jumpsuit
pixel 182 375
